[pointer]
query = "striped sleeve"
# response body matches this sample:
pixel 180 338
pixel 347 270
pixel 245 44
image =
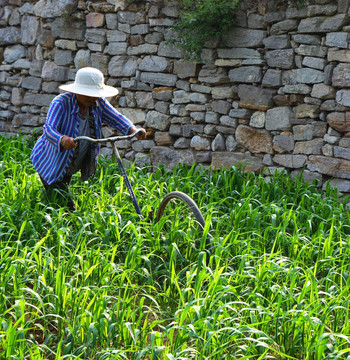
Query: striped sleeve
pixel 115 119
pixel 53 122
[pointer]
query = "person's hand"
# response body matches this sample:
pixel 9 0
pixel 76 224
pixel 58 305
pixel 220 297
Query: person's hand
pixel 68 143
pixel 142 132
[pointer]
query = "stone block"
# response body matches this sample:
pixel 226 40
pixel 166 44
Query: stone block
pixel 213 75
pixel 338 168
pixel 284 26
pixel 279 118
pixel 322 24
pixel 252 97
pixel 255 140
pixel 339 55
pixel 340 121
pixel 74 30
pixel 95 20
pixel 245 162
pixel 171 158
pixel 158 78
pixel 122 66
pixel 185 69
pixel 302 76
pixel 290 161
pixel 283 143
pixel 272 78
pixel 154 63
pixel 245 38
pixel 10 35
pixel 246 74
pixel 97 36
pixel 337 39
pixel 283 59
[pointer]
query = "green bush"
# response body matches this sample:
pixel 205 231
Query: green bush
pixel 201 21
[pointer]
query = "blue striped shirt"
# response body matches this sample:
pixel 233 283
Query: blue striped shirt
pixel 49 158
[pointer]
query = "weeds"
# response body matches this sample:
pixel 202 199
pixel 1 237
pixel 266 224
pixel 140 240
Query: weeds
pixel 102 283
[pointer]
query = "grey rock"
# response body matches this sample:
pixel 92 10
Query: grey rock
pixel 302 76
pixel 31 83
pixel 322 24
pixel 27 120
pixel 252 97
pixel 245 162
pixel 222 92
pixel 238 53
pixel 115 48
pixel 337 39
pixel 306 111
pixel 339 121
pixel 111 21
pixel 182 143
pixel 181 97
pixel 157 121
pixel 171 158
pixel 220 106
pixel 158 78
pixel 185 69
pixel 66 44
pixel 315 63
pixel 338 55
pixel 302 132
pixel 115 36
pixel 246 74
pixel 334 167
pixel 283 59
pixel 29 29
pixel 240 113
pixel 277 42
pixel 213 75
pixel 154 63
pixel 272 78
pixel 343 97
pixel 245 38
pixel 283 143
pixel 218 143
pixel 122 66
pixel 290 161
pixel 257 120
pixel 322 91
pixel 170 50
pixel 311 50
pixel 256 21
pixel 162 94
pixel 274 16
pixel 63 57
pixel 341 75
pixel 140 29
pixel 9 36
pixel 211 117
pixel 302 89
pixel 231 143
pixel 142 49
pixel 341 152
pixel 97 36
pixel 82 59
pixel 307 39
pixel 13 53
pixel 74 30
pixel 198 98
pixel 53 9
pixel 200 143
pixel 144 100
pixel 17 96
pixel 178 110
pixel 228 121
pixel 328 10
pixel 309 147
pixel 284 26
pixel 279 118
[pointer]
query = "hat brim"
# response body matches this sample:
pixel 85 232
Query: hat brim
pixel 105 91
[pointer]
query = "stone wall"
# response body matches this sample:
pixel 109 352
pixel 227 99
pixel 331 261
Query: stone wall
pixel 277 96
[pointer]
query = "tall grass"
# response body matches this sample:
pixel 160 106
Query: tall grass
pixel 103 283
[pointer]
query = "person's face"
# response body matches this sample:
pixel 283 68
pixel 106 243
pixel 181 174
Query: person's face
pixel 85 100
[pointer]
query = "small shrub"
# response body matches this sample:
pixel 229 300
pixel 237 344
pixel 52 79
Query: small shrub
pixel 201 21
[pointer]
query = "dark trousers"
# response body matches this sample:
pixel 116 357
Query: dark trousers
pixel 58 192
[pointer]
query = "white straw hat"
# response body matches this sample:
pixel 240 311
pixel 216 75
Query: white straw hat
pixel 89 81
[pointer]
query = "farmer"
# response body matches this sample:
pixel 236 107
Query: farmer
pixel 79 112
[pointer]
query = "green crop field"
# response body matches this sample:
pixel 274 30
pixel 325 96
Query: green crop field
pixel 103 283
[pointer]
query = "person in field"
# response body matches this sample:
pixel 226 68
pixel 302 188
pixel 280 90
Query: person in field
pixel 78 112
